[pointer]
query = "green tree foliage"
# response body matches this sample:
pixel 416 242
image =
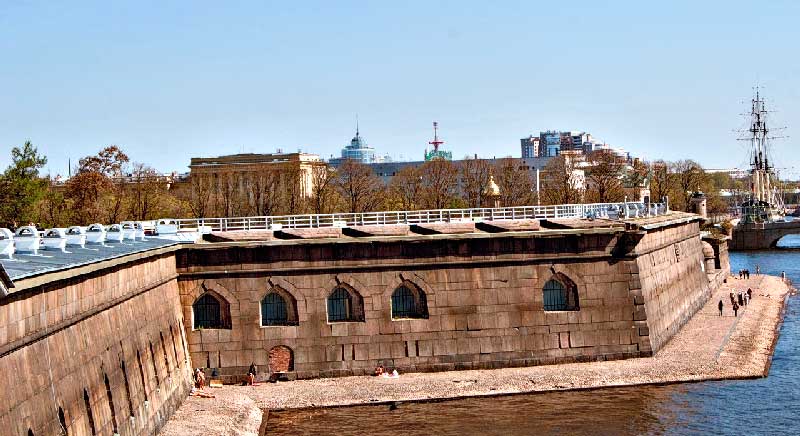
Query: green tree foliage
pixel 21 187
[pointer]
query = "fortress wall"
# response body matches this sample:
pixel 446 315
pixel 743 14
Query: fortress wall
pixel 481 314
pixel 672 284
pixel 65 337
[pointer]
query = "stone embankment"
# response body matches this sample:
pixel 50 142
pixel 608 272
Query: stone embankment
pixel 709 347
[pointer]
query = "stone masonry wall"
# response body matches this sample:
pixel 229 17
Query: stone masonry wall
pixel 479 317
pixel 672 284
pixel 60 342
pixel 483 312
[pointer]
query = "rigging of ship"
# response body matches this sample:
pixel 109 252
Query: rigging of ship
pixel 764 203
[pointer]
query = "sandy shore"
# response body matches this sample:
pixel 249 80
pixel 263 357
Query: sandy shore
pixel 709 347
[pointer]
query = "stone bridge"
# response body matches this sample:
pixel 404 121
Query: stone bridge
pixel 762 236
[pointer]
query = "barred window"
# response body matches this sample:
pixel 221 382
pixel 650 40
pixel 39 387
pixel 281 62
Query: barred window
pixel 409 302
pixel 207 313
pixel 340 306
pixel 558 297
pixel 274 310
pixel 211 311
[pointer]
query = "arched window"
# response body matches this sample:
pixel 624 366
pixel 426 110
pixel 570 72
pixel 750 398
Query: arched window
pixel 560 294
pixel 273 310
pixel 211 311
pixel 408 301
pixel 345 305
pixel 278 308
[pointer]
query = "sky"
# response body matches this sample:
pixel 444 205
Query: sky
pixel 167 81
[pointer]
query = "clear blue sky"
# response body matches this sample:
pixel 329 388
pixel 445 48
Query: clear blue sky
pixel 168 80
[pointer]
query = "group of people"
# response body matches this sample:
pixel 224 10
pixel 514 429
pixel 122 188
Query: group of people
pixel 380 371
pixel 745 273
pixel 738 299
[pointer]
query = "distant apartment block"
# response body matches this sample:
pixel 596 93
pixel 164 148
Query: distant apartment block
pixel 550 143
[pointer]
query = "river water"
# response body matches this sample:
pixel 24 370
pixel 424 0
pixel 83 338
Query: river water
pixel 768 406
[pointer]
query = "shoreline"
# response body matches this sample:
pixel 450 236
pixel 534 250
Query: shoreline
pixel 707 348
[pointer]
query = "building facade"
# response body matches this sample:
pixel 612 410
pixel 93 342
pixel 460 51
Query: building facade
pixel 241 184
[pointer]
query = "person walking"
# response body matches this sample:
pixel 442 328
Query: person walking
pixel 735 309
pixel 739 299
pixel 749 293
pixel 720 305
pixel 758 270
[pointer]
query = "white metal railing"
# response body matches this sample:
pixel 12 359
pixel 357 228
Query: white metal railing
pixel 594 210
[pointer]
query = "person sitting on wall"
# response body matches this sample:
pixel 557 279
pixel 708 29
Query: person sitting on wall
pixel 378 371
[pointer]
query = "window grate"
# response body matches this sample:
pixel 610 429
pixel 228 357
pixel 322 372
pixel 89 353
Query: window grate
pixel 403 304
pixel 340 306
pixel 557 297
pixel 273 310
pixel 207 313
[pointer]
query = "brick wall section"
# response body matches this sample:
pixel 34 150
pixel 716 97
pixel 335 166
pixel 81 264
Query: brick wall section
pixel 85 327
pixel 483 313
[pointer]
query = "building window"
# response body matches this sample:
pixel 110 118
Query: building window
pixel 408 301
pixel 278 308
pixel 559 296
pixel 273 310
pixel 211 311
pixel 344 305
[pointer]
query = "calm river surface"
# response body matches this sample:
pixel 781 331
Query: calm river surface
pixel 764 406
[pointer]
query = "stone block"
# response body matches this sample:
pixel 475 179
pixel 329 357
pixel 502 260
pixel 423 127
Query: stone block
pixel 564 340
pixel 426 348
pixel 333 353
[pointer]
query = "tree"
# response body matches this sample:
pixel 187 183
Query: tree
pixel 439 182
pixel 293 191
pixel 20 186
pixel 689 177
pixel 263 193
pixel 516 186
pixel 475 175
pixel 54 210
pixel 85 190
pixel 144 192
pixel 200 193
pixel 323 192
pixel 636 178
pixel 359 186
pixel 96 189
pixel 405 188
pixel 563 182
pixel 605 177
pixel 109 161
pixel 660 181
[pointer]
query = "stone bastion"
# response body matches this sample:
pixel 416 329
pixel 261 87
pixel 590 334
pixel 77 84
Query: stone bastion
pixel 109 346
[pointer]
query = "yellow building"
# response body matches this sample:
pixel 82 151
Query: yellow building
pixel 252 184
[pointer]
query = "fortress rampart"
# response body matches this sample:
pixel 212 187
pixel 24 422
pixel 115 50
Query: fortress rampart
pixel 108 347
pixel 95 350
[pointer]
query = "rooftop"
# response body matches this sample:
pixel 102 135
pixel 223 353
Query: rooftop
pixel 25 265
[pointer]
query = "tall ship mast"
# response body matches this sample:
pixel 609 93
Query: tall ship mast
pixel 764 204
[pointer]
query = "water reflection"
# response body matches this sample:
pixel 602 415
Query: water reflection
pixel 764 406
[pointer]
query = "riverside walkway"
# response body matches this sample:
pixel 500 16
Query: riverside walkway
pixel 709 347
